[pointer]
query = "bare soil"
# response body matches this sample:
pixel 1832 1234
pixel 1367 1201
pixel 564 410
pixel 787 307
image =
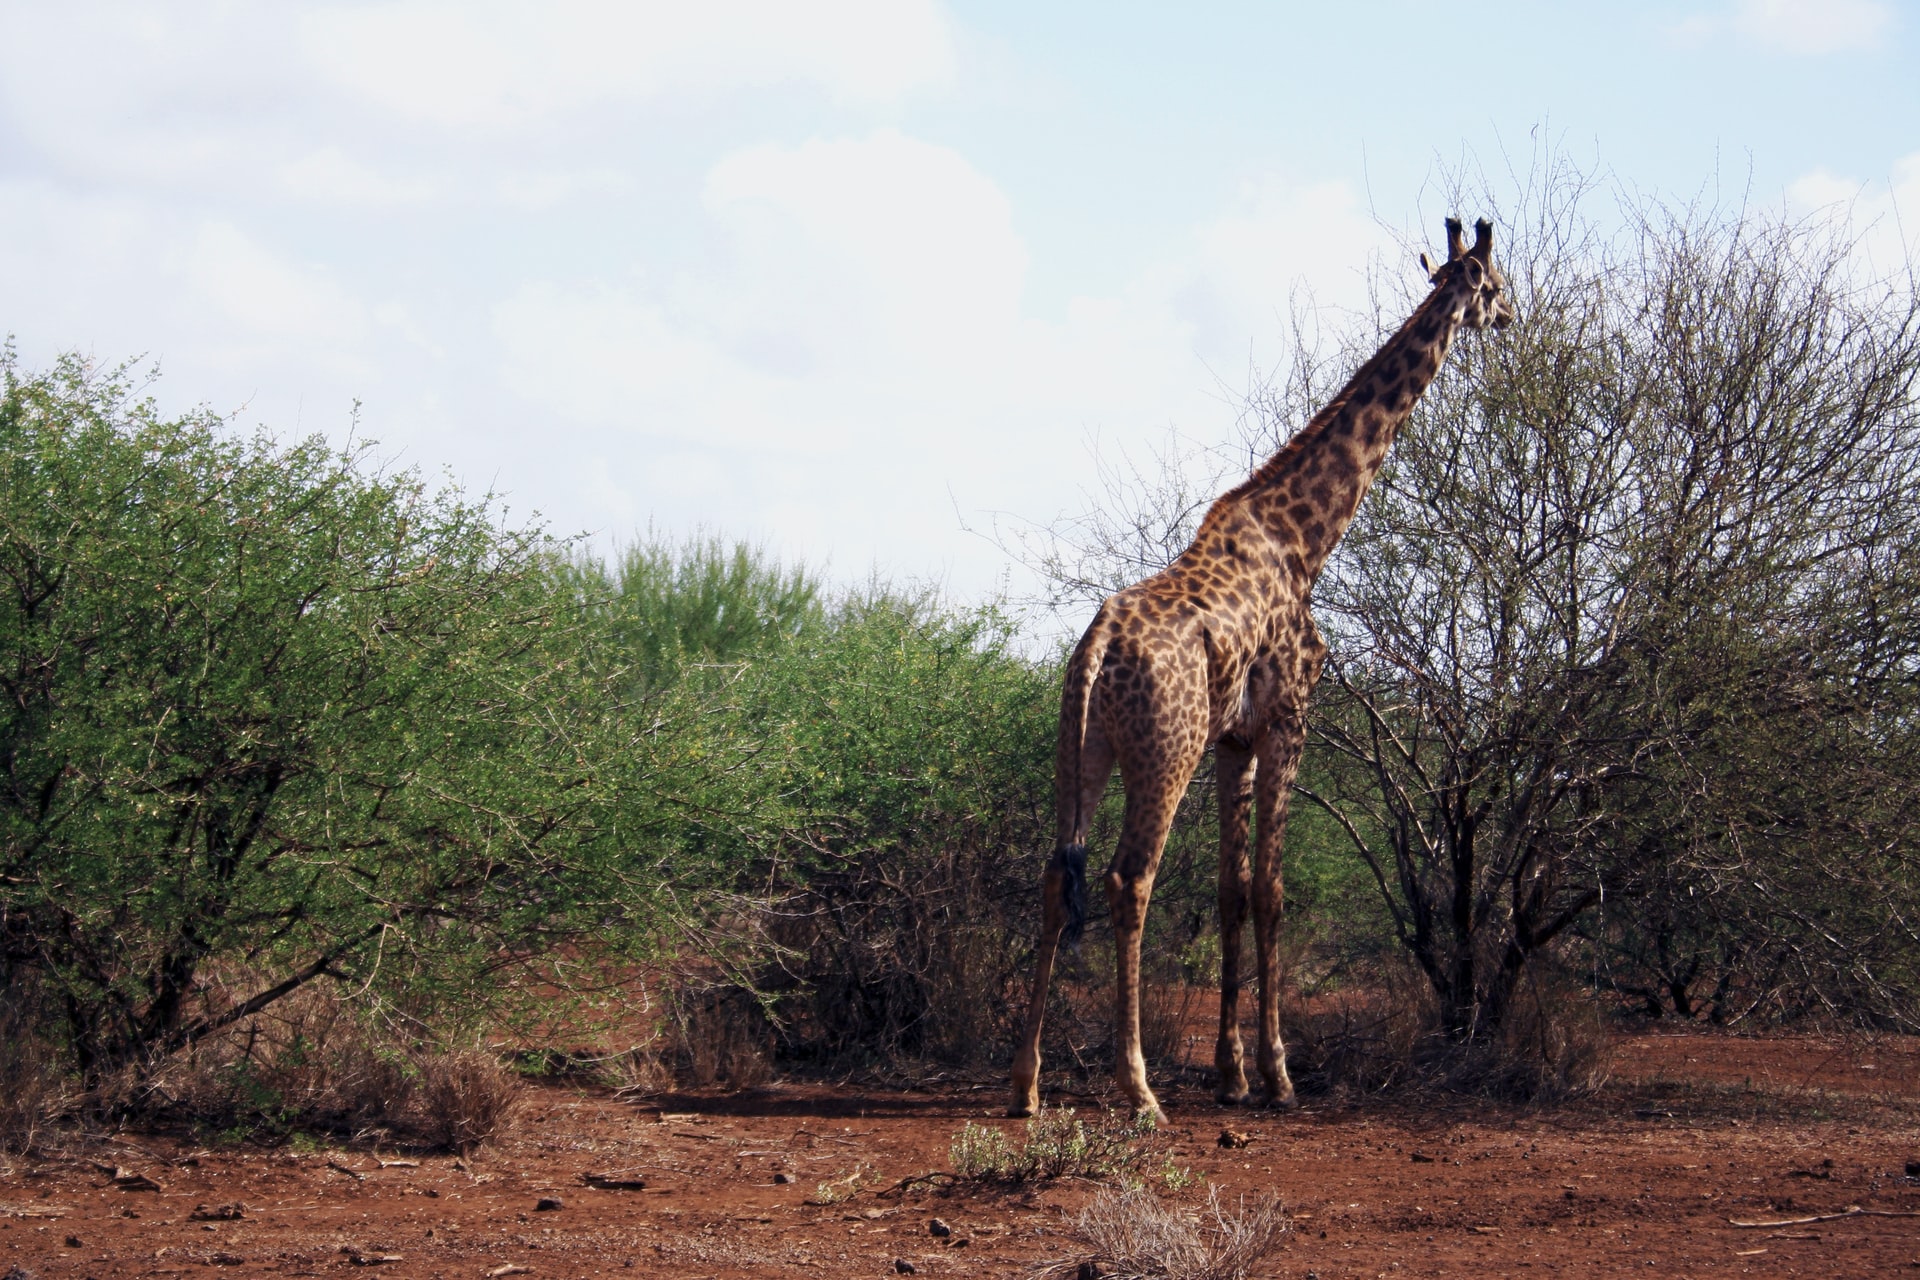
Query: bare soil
pixel 1696 1132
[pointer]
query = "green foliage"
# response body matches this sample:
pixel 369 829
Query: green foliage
pixel 700 603
pixel 267 705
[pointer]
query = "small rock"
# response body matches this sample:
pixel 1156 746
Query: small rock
pixel 1233 1139
pixel 1089 1270
pixel 549 1204
pixel 73 1242
pixel 904 1267
pixel 1913 1168
pixel 939 1229
pixel 783 1178
pixel 871 1214
pixel 227 1260
pixel 1420 1157
pixel 18 1272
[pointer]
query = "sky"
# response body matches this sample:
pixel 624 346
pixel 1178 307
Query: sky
pixel 860 280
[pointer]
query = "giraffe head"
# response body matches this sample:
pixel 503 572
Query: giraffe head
pixel 1470 273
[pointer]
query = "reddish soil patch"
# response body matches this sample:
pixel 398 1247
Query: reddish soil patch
pixel 1695 1130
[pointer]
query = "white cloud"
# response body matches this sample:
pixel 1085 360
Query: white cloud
pixel 866 251
pixel 473 63
pixel 1795 26
pixel 328 175
pixel 261 295
pixel 856 362
pixel 182 95
pixel 827 343
pixel 1882 217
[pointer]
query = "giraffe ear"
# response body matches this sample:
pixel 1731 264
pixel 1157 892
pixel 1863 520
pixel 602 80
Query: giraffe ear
pixel 1456 241
pixel 1433 272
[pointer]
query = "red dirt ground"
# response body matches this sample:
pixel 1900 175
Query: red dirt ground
pixel 1642 1180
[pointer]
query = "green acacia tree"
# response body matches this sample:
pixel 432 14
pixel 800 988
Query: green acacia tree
pixel 271 710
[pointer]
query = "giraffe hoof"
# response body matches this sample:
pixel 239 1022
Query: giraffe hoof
pixel 1281 1102
pixel 1019 1110
pixel 1232 1098
pixel 1149 1117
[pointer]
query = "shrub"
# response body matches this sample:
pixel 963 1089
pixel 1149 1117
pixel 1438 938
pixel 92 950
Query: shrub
pixel 1391 1033
pixel 31 1088
pixel 1058 1144
pixel 465 1098
pixel 272 701
pixel 906 751
pixel 311 1063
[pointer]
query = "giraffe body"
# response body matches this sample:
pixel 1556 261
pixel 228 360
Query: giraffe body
pixel 1220 650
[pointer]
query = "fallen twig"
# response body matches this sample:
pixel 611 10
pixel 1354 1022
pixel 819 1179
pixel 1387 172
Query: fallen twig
pixel 359 1259
pixel 351 1172
pixel 128 1179
pixel 928 1178
pixel 826 1137
pixel 233 1212
pixel 1851 1211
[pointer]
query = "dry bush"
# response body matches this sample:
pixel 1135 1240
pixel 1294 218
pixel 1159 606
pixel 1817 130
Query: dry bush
pixel 1390 1034
pixel 719 1036
pixel 465 1098
pixel 308 1062
pixel 641 1070
pixel 1552 1044
pixel 1136 1236
pixel 31 1085
pixel 1165 1008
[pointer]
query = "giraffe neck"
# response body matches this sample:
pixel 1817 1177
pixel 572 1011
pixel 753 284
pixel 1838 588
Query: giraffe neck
pixel 1308 492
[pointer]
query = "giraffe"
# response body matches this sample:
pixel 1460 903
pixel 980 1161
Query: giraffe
pixel 1220 650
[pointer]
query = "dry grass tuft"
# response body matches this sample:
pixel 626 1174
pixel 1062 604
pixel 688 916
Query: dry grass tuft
pixel 1136 1236
pixel 465 1099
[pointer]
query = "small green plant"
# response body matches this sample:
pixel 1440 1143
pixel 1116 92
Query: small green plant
pixel 1059 1144
pixel 980 1153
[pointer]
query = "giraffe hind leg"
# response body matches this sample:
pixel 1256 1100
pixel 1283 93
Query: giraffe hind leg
pixel 1058 916
pixel 1063 905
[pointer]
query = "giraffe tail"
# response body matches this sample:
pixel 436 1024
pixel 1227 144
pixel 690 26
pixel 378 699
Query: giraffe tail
pixel 1070 789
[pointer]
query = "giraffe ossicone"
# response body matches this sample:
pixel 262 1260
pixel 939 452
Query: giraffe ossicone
pixel 1220 650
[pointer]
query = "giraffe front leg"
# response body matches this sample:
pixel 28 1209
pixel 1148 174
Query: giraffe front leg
pixel 1279 762
pixel 1235 770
